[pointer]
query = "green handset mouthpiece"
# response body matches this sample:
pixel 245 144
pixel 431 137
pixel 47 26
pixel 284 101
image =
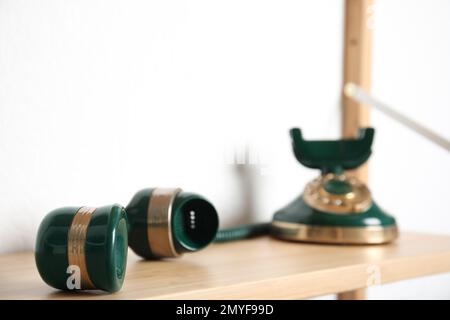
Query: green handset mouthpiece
pixel 170 222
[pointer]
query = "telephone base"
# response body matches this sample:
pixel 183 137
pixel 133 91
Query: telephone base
pixel 300 222
pixel 333 235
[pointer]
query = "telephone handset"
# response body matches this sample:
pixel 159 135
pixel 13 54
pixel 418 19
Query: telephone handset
pixel 85 248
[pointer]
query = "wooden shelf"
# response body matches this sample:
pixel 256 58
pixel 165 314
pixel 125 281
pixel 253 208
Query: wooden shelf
pixel 262 268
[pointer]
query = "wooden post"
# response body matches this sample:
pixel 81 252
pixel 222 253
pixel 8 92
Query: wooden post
pixel 357 69
pixel 357 66
pixel 358 294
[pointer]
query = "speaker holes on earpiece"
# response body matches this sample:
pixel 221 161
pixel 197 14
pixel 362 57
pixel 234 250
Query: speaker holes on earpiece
pixel 192 213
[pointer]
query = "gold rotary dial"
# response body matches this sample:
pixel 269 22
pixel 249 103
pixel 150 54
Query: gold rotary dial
pixel 338 194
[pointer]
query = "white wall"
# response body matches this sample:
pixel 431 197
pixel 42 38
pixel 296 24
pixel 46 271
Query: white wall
pixel 101 98
pixel 412 73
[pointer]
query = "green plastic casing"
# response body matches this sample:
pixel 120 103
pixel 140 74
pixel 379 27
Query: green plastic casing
pixel 333 155
pixel 106 247
pixel 184 238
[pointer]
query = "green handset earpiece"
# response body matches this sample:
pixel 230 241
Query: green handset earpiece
pixel 83 248
pixel 169 222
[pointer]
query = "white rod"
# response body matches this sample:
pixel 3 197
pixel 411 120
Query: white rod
pixel 358 94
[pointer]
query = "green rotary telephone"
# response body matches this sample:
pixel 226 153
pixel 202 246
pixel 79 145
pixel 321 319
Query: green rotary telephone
pixel 335 207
